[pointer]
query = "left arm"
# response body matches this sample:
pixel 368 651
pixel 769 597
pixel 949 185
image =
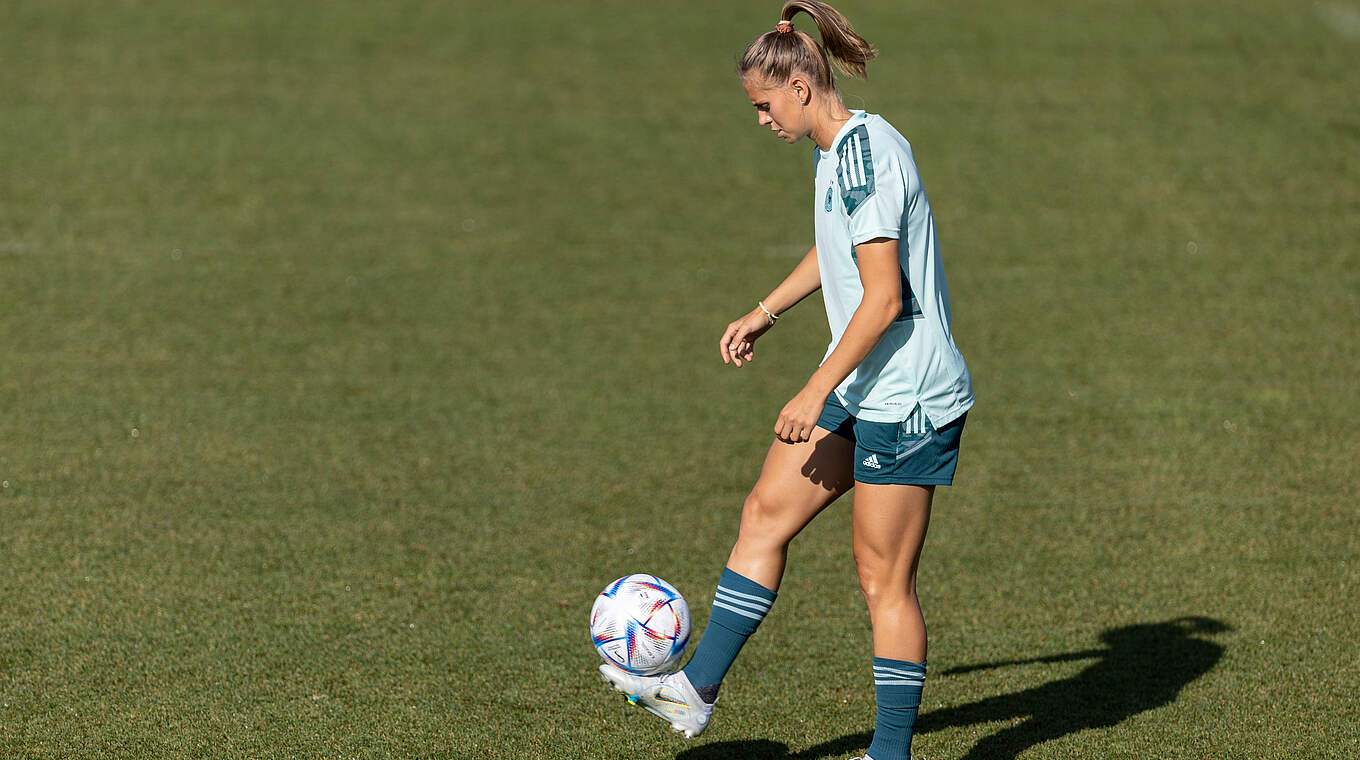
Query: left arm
pixel 880 274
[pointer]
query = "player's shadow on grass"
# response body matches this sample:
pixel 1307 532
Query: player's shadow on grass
pixel 1142 667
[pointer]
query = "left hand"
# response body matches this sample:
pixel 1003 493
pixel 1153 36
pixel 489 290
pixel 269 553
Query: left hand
pixel 800 416
pixel 738 343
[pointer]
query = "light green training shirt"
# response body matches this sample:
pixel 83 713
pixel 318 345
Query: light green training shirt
pixel 867 187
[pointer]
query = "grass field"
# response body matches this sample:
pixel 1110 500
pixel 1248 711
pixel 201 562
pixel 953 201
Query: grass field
pixel 351 348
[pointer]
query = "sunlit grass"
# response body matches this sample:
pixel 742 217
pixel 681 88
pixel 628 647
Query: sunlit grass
pixel 351 348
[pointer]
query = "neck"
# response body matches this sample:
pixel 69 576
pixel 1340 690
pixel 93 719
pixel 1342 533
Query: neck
pixel 829 122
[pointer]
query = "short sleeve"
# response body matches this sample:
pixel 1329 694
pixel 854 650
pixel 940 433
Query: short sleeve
pixel 873 188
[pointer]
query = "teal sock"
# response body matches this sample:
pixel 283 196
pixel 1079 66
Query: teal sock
pixel 739 605
pixel 897 689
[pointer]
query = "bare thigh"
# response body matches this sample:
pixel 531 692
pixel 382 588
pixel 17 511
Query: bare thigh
pixel 797 481
pixel 889 529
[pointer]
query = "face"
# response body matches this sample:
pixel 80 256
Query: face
pixel 782 108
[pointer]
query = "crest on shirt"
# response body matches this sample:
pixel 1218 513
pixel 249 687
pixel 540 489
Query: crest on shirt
pixel 855 168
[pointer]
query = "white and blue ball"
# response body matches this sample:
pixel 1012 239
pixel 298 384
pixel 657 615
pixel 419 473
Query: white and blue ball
pixel 641 624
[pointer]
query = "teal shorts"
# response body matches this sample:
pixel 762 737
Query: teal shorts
pixel 910 452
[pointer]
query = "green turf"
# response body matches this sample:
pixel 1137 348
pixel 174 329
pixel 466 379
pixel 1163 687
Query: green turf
pixel 350 348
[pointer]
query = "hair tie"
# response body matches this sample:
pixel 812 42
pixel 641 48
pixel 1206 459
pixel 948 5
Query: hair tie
pixel 784 26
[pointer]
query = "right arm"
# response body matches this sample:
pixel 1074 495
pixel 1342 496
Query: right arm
pixel 738 341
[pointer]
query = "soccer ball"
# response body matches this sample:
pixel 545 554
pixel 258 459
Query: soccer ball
pixel 640 623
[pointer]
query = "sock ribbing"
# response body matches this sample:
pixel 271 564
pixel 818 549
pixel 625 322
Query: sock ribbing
pixel 739 604
pixel 897 691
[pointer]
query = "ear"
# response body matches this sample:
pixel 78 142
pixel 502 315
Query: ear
pixel 801 88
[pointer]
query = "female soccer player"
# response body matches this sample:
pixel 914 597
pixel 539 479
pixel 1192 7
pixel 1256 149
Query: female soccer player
pixel 883 412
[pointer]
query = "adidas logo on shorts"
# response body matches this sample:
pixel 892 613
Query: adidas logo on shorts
pixel 871 462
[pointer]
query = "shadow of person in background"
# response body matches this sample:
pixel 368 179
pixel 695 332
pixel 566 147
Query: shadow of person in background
pixel 1142 667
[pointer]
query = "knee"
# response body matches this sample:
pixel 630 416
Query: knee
pixel 761 523
pixel 882 584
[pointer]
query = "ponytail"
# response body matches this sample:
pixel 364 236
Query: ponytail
pixel 776 55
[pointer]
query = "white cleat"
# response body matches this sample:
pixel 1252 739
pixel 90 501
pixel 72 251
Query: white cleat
pixel 670 697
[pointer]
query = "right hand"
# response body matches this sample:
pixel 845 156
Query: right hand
pixel 738 342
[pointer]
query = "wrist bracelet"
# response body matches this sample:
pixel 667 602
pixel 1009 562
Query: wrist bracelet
pixel 773 317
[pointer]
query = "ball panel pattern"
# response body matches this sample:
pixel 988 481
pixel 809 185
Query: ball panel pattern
pixel 640 623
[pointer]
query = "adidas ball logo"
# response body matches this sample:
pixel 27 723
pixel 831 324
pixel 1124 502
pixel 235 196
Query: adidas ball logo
pixel 871 462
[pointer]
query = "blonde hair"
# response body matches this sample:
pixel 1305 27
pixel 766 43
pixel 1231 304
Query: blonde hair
pixel 776 55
